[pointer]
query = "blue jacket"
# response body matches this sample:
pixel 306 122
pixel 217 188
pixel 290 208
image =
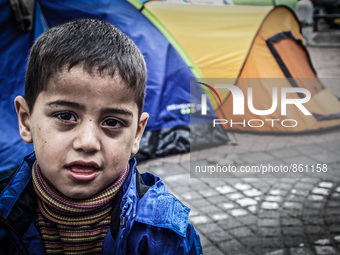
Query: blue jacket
pixel 146 219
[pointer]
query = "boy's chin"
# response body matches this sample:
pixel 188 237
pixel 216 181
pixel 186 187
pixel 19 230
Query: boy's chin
pixel 78 194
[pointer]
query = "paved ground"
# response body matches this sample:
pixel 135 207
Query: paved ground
pixel 297 213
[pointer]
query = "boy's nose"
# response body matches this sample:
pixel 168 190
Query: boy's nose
pixel 87 138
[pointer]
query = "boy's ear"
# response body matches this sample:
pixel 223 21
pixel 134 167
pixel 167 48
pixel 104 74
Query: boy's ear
pixel 23 118
pixel 140 130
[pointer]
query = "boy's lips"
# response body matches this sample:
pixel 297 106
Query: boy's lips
pixel 83 171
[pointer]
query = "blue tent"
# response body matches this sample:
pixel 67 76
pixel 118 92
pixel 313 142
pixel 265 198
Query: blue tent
pixel 168 90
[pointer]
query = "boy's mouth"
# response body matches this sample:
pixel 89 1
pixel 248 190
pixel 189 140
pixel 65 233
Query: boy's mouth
pixel 83 171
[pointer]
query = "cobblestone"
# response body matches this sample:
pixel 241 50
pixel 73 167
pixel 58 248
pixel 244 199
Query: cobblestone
pixel 238 212
pixel 219 216
pixel 212 250
pixel 270 205
pixel 300 251
pixel 246 201
pixel 325 250
pixel 199 219
pixel 269 231
pixel 224 189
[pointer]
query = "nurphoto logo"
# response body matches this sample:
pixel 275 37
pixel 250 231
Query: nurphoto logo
pixel 280 100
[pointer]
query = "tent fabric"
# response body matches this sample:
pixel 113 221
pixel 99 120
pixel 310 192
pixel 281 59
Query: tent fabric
pixel 288 3
pixel 167 94
pixel 242 42
pixel 12 44
pixel 221 34
pixel 285 49
pixel 278 52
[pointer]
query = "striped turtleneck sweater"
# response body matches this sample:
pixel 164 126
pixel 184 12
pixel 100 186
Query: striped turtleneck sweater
pixel 69 226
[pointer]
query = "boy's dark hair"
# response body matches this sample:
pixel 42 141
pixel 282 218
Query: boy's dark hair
pixel 96 45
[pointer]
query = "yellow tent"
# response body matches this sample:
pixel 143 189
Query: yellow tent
pixel 242 42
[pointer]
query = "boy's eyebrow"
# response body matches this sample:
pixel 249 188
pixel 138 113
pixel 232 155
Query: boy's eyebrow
pixel 82 107
pixel 117 111
pixel 65 103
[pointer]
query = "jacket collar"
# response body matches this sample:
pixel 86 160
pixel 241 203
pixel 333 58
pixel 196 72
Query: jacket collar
pixel 18 201
pixel 158 207
pixel 21 177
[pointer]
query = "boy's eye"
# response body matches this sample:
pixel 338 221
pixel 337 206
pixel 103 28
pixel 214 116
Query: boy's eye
pixel 66 116
pixel 113 123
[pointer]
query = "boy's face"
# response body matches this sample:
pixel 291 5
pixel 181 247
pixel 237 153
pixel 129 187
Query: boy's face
pixel 84 129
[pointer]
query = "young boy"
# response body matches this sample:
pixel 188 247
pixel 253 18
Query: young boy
pixel 80 192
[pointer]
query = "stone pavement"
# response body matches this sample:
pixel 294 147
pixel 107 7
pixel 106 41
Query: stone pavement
pixel 299 214
pixel 274 214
